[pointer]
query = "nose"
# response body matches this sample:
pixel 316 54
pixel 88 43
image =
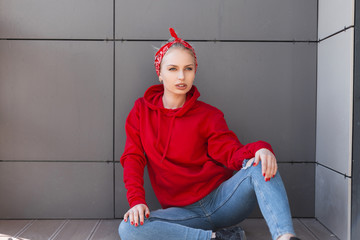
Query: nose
pixel 181 75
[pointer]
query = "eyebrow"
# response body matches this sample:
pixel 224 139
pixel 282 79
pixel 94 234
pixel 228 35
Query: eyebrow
pixel 173 65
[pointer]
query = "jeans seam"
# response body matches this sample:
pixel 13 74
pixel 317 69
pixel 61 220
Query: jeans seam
pixel 268 209
pixel 227 199
pixel 206 214
pixel 279 233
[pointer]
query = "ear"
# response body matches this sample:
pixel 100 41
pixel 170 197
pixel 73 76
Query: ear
pixel 160 78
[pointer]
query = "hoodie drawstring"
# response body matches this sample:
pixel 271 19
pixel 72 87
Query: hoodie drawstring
pixel 158 127
pixel 169 137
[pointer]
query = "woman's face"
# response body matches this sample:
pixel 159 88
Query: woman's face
pixel 177 71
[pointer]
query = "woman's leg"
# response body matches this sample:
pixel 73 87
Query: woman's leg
pixel 228 205
pixel 171 223
pixel 232 201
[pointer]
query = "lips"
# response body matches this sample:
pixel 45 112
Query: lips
pixel 181 86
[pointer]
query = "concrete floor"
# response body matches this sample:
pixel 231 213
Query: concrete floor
pixel 256 229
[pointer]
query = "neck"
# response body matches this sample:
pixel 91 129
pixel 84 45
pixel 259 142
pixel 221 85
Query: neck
pixel 173 102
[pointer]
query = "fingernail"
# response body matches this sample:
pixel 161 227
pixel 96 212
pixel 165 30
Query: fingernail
pixel 273 175
pixel 147 215
pixel 136 224
pixel 141 223
pixel 132 223
pixel 264 174
pixel 125 220
pixel 268 179
pixel 254 164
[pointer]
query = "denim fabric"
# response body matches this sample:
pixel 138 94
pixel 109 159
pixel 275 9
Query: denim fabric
pixel 227 205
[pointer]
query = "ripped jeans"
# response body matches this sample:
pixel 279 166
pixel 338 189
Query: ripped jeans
pixel 226 206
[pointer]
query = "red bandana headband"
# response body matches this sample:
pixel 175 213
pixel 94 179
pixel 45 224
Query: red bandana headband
pixel 162 51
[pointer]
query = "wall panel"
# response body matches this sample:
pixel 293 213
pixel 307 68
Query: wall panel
pixel 300 193
pixel 262 96
pixel 56 190
pixel 334 102
pixel 334 16
pixel 299 181
pixel 234 19
pixel 56 100
pixel 56 19
pixel 332 206
pixel 335 116
pixel 134 73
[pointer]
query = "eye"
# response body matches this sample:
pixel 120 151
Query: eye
pixel 172 69
pixel 189 68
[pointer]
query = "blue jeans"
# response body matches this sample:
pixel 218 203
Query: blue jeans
pixel 226 206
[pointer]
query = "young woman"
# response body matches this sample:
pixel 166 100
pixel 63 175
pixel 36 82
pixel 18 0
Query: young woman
pixel 191 156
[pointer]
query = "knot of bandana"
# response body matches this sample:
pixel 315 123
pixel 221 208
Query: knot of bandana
pixel 162 51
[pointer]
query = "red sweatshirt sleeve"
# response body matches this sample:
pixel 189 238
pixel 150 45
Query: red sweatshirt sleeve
pixel 225 147
pixel 133 159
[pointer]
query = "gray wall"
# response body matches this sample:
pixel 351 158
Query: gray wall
pixel 71 70
pixel 334 115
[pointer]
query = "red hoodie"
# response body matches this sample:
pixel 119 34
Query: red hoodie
pixel 189 151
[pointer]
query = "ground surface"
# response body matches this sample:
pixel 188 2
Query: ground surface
pixel 256 229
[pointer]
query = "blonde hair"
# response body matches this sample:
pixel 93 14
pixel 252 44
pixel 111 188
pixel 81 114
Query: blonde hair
pixel 179 46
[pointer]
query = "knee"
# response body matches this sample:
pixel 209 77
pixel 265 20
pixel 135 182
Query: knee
pixel 256 170
pixel 124 230
pixel 130 232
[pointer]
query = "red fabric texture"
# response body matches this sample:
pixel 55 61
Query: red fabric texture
pixel 162 51
pixel 188 151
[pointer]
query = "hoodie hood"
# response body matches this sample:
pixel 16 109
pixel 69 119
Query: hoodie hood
pixel 153 100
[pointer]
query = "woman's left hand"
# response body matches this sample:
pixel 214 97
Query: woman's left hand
pixel 268 163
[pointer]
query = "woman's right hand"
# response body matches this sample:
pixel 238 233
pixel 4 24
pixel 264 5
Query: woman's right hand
pixel 136 214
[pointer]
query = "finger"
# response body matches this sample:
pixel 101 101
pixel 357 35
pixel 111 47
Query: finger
pixel 126 215
pixel 276 169
pixel 257 159
pixel 131 217
pixel 136 217
pixel 141 215
pixel 275 166
pixel 265 162
pixel 264 166
pixel 270 167
pixel 147 212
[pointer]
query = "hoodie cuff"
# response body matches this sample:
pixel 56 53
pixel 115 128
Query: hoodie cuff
pixel 262 144
pixel 136 202
pixel 252 148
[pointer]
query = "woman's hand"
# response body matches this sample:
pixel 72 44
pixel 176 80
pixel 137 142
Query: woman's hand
pixel 268 163
pixel 136 214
